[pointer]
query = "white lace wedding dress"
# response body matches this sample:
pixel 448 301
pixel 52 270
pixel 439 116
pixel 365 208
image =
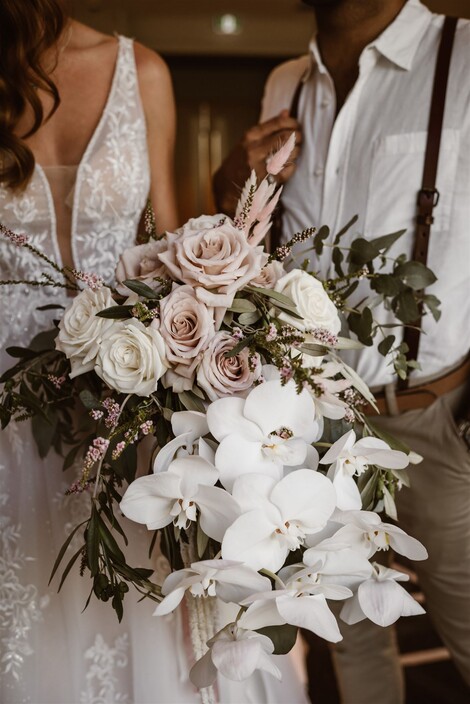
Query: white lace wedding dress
pixel 50 652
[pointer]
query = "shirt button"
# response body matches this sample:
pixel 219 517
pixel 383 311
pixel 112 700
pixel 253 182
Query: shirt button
pixel 319 171
pixel 325 102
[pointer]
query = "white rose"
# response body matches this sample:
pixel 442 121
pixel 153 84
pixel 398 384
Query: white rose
pixel 80 330
pixel 215 260
pixel 311 300
pixel 221 376
pixel 131 358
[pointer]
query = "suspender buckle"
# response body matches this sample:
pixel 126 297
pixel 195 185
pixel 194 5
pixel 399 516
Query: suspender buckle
pixel 428 197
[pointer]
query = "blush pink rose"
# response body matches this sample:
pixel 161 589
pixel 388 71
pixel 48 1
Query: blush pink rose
pixel 142 263
pixel 187 326
pixel 221 376
pixel 216 260
pixel 269 275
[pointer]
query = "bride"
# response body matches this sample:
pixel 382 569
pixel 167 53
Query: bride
pixel 86 136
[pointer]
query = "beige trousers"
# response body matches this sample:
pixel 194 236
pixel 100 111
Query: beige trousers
pixel 436 510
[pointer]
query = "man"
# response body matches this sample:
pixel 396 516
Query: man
pixel 363 115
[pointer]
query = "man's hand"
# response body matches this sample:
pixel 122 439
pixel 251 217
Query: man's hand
pixel 258 143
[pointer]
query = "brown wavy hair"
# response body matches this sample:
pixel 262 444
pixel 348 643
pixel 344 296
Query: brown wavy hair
pixel 28 28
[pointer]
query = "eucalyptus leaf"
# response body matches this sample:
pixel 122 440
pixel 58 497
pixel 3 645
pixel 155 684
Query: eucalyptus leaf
pixel 249 318
pixel 389 439
pixel 51 306
pixel 283 637
pixel 116 312
pixel 405 307
pixel 44 341
pixel 318 241
pixel 242 305
pixel 344 229
pixel 191 402
pixel 433 303
pixel 69 566
pixel 44 431
pixel 415 275
pixel 21 352
pixel 89 400
pixel 386 345
pixel 274 295
pixel 141 289
pixel 361 325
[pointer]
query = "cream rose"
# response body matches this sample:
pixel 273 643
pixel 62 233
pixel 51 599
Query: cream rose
pixel 311 300
pixel 221 376
pixel 217 261
pixel 186 325
pixel 142 263
pixel 131 358
pixel 80 330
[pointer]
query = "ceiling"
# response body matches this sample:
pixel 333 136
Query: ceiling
pixel 179 27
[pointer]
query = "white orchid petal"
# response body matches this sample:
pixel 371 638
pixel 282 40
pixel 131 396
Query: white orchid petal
pixel 225 416
pixel 236 659
pixel 192 422
pixel 194 470
pixel 252 540
pixel 149 500
pixel 312 613
pixel 234 584
pixel 218 511
pixel 404 544
pixel 348 496
pixel 351 612
pixel 236 455
pixel 253 491
pixel 261 614
pixel 411 606
pixel 306 496
pixel 170 602
pixel 273 406
pixel 167 453
pixel 345 442
pixel 204 672
pixel 206 451
pixel 381 601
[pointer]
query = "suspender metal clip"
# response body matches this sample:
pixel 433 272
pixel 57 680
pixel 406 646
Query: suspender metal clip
pixel 427 197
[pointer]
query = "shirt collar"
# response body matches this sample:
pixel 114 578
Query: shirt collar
pixel 397 43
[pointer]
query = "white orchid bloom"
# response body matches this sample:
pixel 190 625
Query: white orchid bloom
pixel 276 516
pixel 349 458
pixel 176 495
pixel 230 581
pixel 188 427
pixel 381 599
pixel 340 563
pixel 236 653
pixel 268 430
pixel 302 602
pixel 364 531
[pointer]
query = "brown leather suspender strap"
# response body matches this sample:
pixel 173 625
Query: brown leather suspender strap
pixel 428 196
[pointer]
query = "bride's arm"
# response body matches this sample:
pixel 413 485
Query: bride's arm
pixel 157 98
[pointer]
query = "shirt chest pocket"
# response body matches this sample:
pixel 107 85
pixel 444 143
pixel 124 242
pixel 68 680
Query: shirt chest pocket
pixel 395 179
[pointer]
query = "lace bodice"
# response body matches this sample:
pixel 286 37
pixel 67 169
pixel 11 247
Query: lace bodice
pixel 111 188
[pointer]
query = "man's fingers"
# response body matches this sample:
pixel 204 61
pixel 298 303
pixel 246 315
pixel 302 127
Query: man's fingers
pixel 282 122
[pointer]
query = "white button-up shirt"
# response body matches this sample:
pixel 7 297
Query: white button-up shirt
pixel 369 161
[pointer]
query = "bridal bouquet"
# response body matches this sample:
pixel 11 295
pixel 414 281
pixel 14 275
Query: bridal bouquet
pixel 263 458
